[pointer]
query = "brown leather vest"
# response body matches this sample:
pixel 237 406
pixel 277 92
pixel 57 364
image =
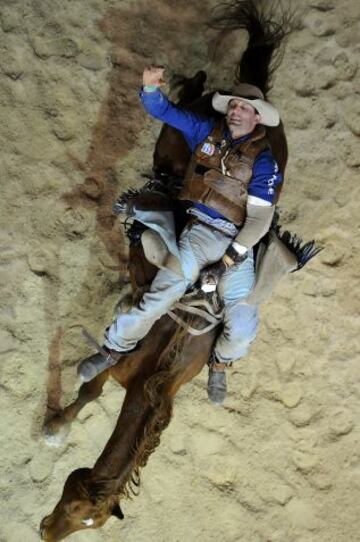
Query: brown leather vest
pixel 218 176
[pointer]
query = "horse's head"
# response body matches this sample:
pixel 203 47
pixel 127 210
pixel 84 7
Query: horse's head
pixel 79 508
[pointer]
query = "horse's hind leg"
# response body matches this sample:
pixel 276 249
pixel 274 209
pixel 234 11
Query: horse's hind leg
pixel 56 428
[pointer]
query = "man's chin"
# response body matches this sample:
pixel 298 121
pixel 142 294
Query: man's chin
pixel 235 123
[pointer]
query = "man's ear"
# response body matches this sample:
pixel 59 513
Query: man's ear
pixel 258 118
pixel 117 512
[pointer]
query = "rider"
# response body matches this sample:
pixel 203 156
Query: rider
pixel 231 182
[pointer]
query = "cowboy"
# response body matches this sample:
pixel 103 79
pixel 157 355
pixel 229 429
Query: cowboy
pixel 231 182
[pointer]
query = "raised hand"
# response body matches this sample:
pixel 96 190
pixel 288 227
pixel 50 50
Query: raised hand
pixel 153 76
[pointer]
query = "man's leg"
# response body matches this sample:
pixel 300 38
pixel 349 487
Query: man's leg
pixel 240 325
pixel 128 328
pixel 199 246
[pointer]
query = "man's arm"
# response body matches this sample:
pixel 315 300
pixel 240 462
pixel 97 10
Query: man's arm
pixel 260 205
pixel 194 128
pixel 260 210
pixel 256 225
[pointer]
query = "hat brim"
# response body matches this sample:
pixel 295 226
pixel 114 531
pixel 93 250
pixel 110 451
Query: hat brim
pixel 269 115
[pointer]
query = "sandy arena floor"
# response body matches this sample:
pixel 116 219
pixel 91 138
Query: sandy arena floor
pixel 281 461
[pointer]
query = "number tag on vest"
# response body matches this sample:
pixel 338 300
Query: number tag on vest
pixel 208 148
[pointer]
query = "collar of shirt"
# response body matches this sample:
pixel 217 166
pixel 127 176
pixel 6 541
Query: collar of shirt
pixel 233 142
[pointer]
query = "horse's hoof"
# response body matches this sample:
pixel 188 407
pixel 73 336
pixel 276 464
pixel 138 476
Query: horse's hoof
pixel 55 434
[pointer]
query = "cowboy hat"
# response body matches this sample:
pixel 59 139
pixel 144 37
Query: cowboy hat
pixel 253 96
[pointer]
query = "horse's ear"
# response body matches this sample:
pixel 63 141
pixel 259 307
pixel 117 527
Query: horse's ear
pixel 116 511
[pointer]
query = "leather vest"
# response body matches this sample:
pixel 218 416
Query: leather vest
pixel 218 175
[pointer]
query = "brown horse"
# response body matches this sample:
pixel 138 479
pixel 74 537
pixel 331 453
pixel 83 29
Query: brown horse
pixel 168 357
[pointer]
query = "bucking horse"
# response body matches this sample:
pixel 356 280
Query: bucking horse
pixel 170 355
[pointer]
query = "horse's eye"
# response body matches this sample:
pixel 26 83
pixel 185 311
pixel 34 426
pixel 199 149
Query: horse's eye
pixel 88 522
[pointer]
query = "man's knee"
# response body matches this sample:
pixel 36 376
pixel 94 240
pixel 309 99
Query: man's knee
pixel 160 298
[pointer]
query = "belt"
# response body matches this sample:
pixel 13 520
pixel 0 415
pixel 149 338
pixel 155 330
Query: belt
pixel 225 227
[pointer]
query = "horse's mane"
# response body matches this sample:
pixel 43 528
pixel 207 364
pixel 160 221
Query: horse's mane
pixel 161 407
pixel 158 419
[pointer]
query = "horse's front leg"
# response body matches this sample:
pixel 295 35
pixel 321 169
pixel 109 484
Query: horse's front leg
pixel 58 426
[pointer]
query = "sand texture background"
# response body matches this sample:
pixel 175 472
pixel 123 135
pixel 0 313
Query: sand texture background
pixel 281 461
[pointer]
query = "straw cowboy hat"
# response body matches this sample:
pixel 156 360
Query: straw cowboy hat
pixel 253 96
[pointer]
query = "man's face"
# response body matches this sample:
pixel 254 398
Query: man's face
pixel 241 116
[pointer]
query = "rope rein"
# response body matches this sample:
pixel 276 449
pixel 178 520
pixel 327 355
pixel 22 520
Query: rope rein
pixel 211 311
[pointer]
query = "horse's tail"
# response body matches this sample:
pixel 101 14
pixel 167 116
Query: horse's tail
pixel 267 31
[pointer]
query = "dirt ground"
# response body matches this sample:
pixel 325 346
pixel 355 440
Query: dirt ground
pixel 281 461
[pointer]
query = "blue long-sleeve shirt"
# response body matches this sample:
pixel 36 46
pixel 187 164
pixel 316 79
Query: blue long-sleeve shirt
pixel 195 129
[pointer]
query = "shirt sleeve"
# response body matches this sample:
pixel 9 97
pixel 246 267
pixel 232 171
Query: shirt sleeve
pixel 193 127
pixel 265 178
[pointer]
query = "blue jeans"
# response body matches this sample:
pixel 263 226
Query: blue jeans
pixel 199 246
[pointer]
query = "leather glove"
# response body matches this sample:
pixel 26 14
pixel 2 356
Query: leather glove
pixel 233 257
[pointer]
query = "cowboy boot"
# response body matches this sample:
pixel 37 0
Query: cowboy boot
pixel 92 366
pixel 216 387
